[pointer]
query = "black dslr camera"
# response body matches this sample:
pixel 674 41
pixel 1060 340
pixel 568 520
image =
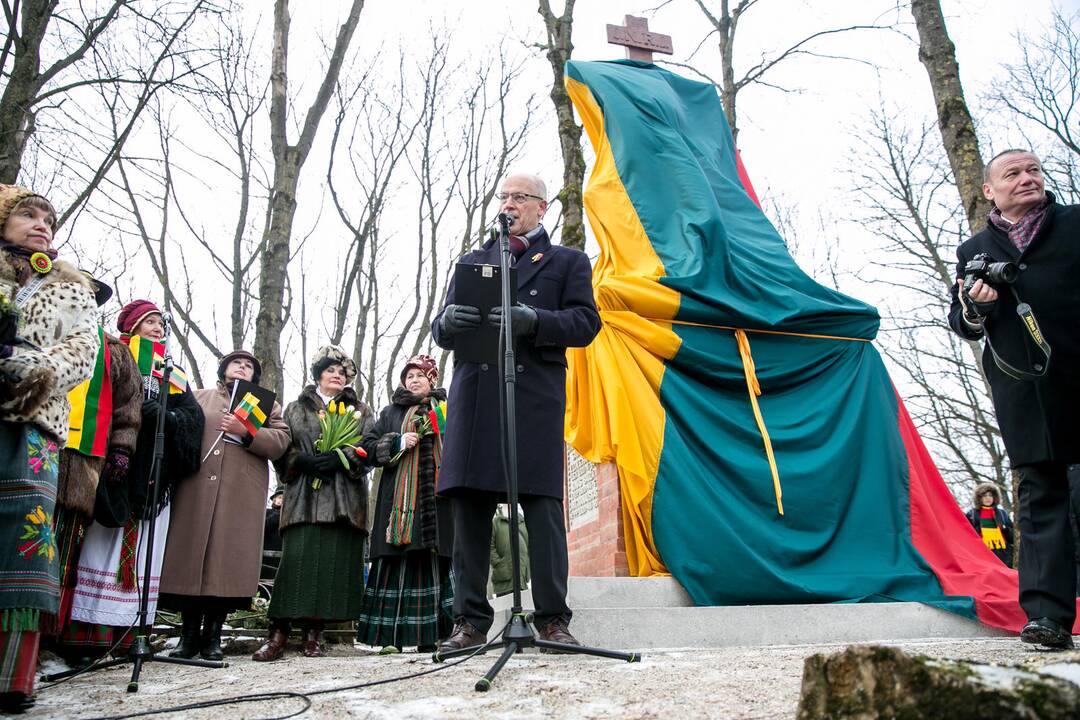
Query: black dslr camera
pixel 983 267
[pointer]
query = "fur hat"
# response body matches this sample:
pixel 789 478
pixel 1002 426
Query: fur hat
pixel 226 359
pixel 133 314
pixel 332 355
pixel 425 364
pixel 983 488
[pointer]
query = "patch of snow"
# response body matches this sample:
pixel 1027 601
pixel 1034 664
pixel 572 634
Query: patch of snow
pixel 1065 671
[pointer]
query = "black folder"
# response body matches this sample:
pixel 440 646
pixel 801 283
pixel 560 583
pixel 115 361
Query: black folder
pixel 481 287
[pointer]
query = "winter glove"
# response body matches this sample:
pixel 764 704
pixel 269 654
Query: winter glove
pixel 150 408
pixel 116 466
pixel 523 318
pixel 304 463
pixel 328 463
pixel 456 319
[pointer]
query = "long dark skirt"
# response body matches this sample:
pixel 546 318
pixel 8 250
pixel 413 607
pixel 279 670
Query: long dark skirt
pixel 409 601
pixel 321 575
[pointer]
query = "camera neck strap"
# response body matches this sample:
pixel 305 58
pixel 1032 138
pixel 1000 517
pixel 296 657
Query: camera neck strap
pixel 1027 319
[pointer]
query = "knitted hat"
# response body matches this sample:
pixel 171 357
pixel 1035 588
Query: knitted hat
pixel 10 196
pixel 134 313
pixel 332 355
pixel 235 354
pixel 425 364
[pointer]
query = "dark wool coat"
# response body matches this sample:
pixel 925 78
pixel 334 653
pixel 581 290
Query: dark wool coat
pixel 1038 419
pixel 79 473
pixel 215 530
pixel 433 527
pixel 343 497
pixel 183 434
pixel 558 284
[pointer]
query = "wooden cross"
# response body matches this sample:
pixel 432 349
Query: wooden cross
pixel 640 43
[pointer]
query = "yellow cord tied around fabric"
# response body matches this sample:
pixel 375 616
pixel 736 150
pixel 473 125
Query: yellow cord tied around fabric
pixel 754 389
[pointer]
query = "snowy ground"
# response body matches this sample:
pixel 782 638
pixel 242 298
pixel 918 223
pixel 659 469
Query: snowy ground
pixel 758 682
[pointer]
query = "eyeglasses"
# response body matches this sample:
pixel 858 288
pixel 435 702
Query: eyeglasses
pixel 518 197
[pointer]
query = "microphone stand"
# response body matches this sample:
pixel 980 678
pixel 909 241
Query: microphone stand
pixel 518 633
pixel 140 652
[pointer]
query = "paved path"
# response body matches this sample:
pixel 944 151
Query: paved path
pixel 736 682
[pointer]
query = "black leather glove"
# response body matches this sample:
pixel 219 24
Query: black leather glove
pixel 523 318
pixel 327 463
pixel 304 463
pixel 456 319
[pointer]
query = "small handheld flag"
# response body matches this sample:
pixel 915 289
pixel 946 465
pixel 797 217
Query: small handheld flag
pixel 437 415
pixel 250 415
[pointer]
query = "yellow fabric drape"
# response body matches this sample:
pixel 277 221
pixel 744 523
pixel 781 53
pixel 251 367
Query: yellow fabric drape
pixel 613 385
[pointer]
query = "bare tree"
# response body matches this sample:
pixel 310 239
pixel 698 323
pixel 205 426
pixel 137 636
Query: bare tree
pixel 288 161
pixel 938 54
pixel 904 183
pixel 558 48
pixel 1043 92
pixel 725 21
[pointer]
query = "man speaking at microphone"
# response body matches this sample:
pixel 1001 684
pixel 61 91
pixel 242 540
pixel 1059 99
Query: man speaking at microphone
pixel 555 310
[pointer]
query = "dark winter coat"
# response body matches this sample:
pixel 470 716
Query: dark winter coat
pixel 79 474
pixel 434 525
pixel 343 496
pixel 557 282
pixel 1005 525
pixel 183 435
pixel 1038 419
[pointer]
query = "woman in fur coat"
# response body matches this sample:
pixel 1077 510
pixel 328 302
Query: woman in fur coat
pixel 409 598
pixel 110 570
pixel 323 517
pixel 101 441
pixel 47 347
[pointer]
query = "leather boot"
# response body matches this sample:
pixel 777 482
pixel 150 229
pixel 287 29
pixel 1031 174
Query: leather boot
pixel 274 647
pixel 211 638
pixel 190 641
pixel 313 641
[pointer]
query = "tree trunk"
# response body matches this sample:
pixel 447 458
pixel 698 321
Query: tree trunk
pixel 558 48
pixel 288 161
pixel 16 116
pixel 937 53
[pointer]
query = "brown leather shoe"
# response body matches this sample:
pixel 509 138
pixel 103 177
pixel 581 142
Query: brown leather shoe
pixel 557 631
pixel 273 648
pixel 313 643
pixel 465 635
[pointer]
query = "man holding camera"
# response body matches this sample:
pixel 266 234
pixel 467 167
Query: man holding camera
pixel 1018 286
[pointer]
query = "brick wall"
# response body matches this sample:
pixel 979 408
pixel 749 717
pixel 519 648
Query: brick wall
pixel 598 548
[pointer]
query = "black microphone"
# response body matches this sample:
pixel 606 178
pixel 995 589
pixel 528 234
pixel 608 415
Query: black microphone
pixel 506 220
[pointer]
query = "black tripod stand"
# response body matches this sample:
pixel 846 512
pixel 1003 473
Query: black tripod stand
pixel 518 634
pixel 141 652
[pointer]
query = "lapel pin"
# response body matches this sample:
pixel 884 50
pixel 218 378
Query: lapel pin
pixel 536 258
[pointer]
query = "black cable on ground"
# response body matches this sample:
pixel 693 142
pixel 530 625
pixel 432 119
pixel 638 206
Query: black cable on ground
pixel 306 697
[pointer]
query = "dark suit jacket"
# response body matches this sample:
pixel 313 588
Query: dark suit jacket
pixel 1040 419
pixel 558 284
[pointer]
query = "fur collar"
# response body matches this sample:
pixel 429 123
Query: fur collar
pixel 311 400
pixel 62 272
pixel 404 398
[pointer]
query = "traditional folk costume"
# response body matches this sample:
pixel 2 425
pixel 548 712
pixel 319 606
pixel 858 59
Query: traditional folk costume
pixel 112 562
pixel 54 352
pixel 409 597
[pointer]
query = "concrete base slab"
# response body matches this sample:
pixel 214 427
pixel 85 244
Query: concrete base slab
pixel 639 613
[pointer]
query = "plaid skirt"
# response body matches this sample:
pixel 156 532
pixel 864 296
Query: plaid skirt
pixel 18 660
pixel 408 602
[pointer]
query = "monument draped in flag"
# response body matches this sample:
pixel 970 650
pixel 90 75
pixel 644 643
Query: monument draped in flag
pixel 764 456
